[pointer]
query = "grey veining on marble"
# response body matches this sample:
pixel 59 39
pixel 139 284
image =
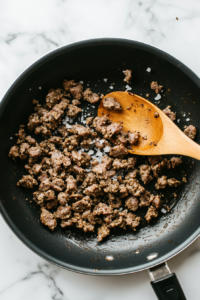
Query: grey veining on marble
pixel 30 29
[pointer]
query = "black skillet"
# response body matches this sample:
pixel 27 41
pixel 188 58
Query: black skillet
pixel 92 61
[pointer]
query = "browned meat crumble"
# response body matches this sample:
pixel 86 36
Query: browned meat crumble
pixel 190 131
pixel 73 188
pixel 115 130
pixel 156 87
pixel 90 97
pixel 128 75
pixel 111 103
pixel 170 113
pixel 172 182
pixel 161 183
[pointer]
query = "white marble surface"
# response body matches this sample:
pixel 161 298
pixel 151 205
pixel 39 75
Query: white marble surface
pixel 30 29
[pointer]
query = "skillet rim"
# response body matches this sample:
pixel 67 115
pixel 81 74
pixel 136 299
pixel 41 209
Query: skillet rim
pixel 16 83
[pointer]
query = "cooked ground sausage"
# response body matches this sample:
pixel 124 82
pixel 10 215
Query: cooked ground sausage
pixel 161 183
pixel 72 186
pixel 154 160
pixel 118 151
pixel 128 75
pixel 91 97
pixel 156 87
pixel 27 181
pixel 190 131
pixel 175 161
pixel 132 203
pixel 145 173
pixel 172 182
pixel 170 113
pixel 151 213
pixel 111 103
pixel 48 219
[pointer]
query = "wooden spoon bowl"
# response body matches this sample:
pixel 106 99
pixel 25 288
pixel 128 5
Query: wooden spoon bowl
pixel 158 134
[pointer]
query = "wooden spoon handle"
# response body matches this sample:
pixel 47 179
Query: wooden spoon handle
pixel 180 144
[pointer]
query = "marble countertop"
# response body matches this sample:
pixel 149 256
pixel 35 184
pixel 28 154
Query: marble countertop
pixel 30 29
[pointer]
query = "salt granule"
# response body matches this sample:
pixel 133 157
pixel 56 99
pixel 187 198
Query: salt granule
pixel 158 97
pixel 163 211
pixel 128 87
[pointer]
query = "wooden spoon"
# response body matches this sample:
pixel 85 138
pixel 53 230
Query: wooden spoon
pixel 158 135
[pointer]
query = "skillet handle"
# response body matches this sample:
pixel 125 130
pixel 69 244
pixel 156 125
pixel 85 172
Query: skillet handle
pixel 168 288
pixel 165 284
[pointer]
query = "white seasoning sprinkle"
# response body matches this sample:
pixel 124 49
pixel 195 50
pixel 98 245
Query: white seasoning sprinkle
pixel 148 69
pixel 101 142
pixel 188 119
pixel 40 88
pixel 105 79
pixel 30 89
pixel 184 114
pixel 106 149
pixel 99 153
pixel 158 97
pixel 111 87
pixel 163 211
pixel 109 257
pixel 178 121
pixel 11 138
pixel 81 150
pixel 68 126
pixel 128 87
pixel 67 119
pixel 81 82
pixel 97 156
pixel 90 152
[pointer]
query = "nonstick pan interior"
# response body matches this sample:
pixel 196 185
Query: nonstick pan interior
pixel 91 62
